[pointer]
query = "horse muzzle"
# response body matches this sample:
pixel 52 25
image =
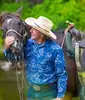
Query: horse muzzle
pixel 17 47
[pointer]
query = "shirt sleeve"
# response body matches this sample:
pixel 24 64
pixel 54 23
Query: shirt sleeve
pixel 9 55
pixel 27 47
pixel 61 74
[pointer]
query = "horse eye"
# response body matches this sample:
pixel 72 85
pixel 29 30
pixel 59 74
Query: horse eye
pixel 19 23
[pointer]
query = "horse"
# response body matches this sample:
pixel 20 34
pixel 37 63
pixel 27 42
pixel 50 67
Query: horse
pixel 12 25
pixel 73 43
pixel 70 66
pixel 78 41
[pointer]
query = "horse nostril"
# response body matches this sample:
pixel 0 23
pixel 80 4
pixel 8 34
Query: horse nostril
pixel 17 40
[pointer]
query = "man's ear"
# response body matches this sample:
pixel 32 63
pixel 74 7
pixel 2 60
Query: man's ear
pixel 42 35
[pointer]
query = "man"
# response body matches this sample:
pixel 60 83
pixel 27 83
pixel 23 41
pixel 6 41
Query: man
pixel 45 64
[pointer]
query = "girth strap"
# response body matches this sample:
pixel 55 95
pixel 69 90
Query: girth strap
pixel 77 55
pixel 81 73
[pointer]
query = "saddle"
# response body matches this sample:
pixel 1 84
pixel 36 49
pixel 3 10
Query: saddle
pixel 79 37
pixel 82 43
pixel 77 48
pixel 80 60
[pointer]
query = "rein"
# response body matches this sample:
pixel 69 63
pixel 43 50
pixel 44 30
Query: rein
pixel 21 82
pixel 65 32
pixel 63 40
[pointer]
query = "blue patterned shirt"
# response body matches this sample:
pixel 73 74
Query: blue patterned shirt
pixel 45 64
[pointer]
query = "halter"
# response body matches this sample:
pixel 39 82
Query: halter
pixel 11 30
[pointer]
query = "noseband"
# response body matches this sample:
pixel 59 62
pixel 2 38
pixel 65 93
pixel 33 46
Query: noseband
pixel 11 30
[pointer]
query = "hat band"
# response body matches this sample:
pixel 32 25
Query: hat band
pixel 41 27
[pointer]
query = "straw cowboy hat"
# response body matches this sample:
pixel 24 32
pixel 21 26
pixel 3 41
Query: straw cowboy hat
pixel 42 24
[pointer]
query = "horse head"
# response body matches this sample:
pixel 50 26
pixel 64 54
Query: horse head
pixel 12 25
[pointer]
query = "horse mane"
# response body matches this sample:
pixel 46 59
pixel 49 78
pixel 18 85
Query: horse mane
pixel 3 16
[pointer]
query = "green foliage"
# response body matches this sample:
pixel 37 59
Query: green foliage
pixel 1 41
pixel 57 10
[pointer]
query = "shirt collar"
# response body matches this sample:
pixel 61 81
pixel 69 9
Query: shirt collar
pixel 38 45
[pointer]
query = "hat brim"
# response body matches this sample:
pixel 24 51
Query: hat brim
pixel 32 22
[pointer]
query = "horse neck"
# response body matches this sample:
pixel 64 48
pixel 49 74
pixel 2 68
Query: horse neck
pixel 59 39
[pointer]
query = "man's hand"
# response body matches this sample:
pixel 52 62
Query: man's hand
pixel 59 99
pixel 70 25
pixel 8 41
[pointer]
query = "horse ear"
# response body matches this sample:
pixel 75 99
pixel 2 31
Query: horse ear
pixel 1 29
pixel 19 11
pixel 2 14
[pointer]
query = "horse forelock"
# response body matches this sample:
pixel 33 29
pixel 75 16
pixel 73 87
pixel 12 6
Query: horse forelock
pixel 6 15
pixel 8 21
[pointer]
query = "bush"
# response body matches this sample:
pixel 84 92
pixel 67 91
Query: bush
pixel 57 10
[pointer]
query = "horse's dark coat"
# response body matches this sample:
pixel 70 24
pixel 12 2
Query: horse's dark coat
pixel 70 65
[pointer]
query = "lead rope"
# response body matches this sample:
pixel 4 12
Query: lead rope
pixel 63 41
pixel 65 33
pixel 20 81
pixel 20 84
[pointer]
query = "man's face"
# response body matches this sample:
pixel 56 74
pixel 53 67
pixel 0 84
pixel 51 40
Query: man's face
pixel 35 34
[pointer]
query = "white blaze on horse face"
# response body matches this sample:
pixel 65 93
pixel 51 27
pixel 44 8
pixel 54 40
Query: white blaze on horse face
pixel 8 21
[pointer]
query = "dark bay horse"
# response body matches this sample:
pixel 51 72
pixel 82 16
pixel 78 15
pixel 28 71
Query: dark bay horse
pixel 12 25
pixel 70 65
pixel 74 51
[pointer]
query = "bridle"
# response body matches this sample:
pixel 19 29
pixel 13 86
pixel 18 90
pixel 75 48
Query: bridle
pixel 12 30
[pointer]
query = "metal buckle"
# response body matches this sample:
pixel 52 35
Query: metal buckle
pixel 37 88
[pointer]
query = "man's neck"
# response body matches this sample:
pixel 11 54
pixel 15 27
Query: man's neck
pixel 41 40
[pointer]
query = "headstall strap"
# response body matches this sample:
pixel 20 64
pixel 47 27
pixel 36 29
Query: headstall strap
pixel 11 30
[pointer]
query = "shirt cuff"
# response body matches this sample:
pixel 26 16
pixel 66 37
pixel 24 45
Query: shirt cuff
pixel 60 95
pixel 6 52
